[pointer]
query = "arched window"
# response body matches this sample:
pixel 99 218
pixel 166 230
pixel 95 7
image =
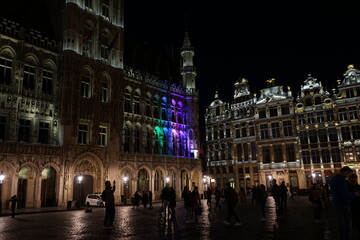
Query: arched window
pixel 5 70
pixel 179 118
pixel 148 141
pixel 127 102
pixel 127 139
pixel 164 143
pixel 163 114
pixel 173 119
pixel 137 140
pixel 136 102
pixel 174 144
pixel 156 108
pixel 157 142
pixel 158 180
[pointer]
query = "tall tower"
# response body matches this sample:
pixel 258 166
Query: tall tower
pixel 188 73
pixel 188 70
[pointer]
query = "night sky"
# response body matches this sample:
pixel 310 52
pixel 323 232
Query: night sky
pixel 257 40
pixel 254 39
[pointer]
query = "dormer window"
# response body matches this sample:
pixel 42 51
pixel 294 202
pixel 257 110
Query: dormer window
pixel 350 93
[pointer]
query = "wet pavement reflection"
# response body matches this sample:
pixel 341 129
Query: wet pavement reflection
pixel 298 223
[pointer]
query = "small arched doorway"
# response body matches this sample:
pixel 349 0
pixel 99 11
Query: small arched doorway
pixel 48 192
pixel 83 185
pixel 143 180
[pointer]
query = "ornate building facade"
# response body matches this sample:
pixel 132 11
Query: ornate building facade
pixel 70 108
pixel 301 140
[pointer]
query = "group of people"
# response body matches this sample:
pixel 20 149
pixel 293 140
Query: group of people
pixel 145 198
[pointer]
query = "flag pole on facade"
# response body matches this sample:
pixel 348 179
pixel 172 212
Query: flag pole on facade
pixel 111 45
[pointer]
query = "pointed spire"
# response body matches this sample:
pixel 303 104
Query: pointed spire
pixel 187 43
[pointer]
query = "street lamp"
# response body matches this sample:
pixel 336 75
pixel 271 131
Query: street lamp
pixel 167 179
pixel 314 176
pixel 204 180
pixel 79 179
pixel 125 187
pixel 2 177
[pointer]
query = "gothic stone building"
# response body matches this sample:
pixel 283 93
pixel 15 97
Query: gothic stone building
pixel 301 140
pixel 69 108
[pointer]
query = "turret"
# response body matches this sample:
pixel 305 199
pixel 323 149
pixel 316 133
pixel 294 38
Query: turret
pixel 188 71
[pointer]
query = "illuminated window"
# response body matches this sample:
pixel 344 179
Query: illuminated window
pixel 301 120
pixel 264 133
pixel 330 115
pixel 320 117
pixel 342 114
pixel 47 82
pixel 355 131
pixel 353 113
pixel 24 130
pixel 2 127
pixel 85 87
pixel 5 71
pixel 29 77
pixel 345 133
pixel 103 136
pixel 275 128
pixel 287 127
pixel 290 152
pixel 104 95
pixel 44 133
pixel 83 134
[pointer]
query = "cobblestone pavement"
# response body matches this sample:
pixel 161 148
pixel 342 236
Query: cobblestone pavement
pixel 131 224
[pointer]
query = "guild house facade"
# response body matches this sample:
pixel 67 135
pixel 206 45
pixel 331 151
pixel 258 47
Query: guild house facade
pixel 297 139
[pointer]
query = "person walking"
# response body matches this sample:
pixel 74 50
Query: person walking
pixel 136 199
pixel 145 199
pixel 315 199
pixel 253 195
pixel 13 201
pixel 327 192
pixel 217 198
pixel 275 192
pixel 164 200
pixel 108 197
pixel 172 203
pixel 283 197
pixel 355 202
pixel 341 197
pixel 208 197
pixel 242 194
pixel 262 196
pixel 291 192
pixel 196 202
pixel 150 200
pixel 232 199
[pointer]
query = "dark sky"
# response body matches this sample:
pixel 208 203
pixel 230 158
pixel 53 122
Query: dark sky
pixel 257 40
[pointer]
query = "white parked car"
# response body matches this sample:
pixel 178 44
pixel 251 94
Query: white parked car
pixel 94 200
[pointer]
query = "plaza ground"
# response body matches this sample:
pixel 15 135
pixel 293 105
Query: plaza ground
pixel 132 224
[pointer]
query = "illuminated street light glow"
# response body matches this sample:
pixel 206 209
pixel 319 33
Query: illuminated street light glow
pixel 212 180
pixel 2 177
pixel 313 175
pixel 80 178
pixel 270 177
pixel 167 180
pixel 125 179
pixel 204 179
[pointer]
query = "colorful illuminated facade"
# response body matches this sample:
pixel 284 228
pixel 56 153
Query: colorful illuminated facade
pixel 70 108
pixel 299 140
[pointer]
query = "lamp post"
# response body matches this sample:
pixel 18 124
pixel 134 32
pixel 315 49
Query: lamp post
pixel 125 188
pixel 167 179
pixel 2 177
pixel 79 179
pixel 314 176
